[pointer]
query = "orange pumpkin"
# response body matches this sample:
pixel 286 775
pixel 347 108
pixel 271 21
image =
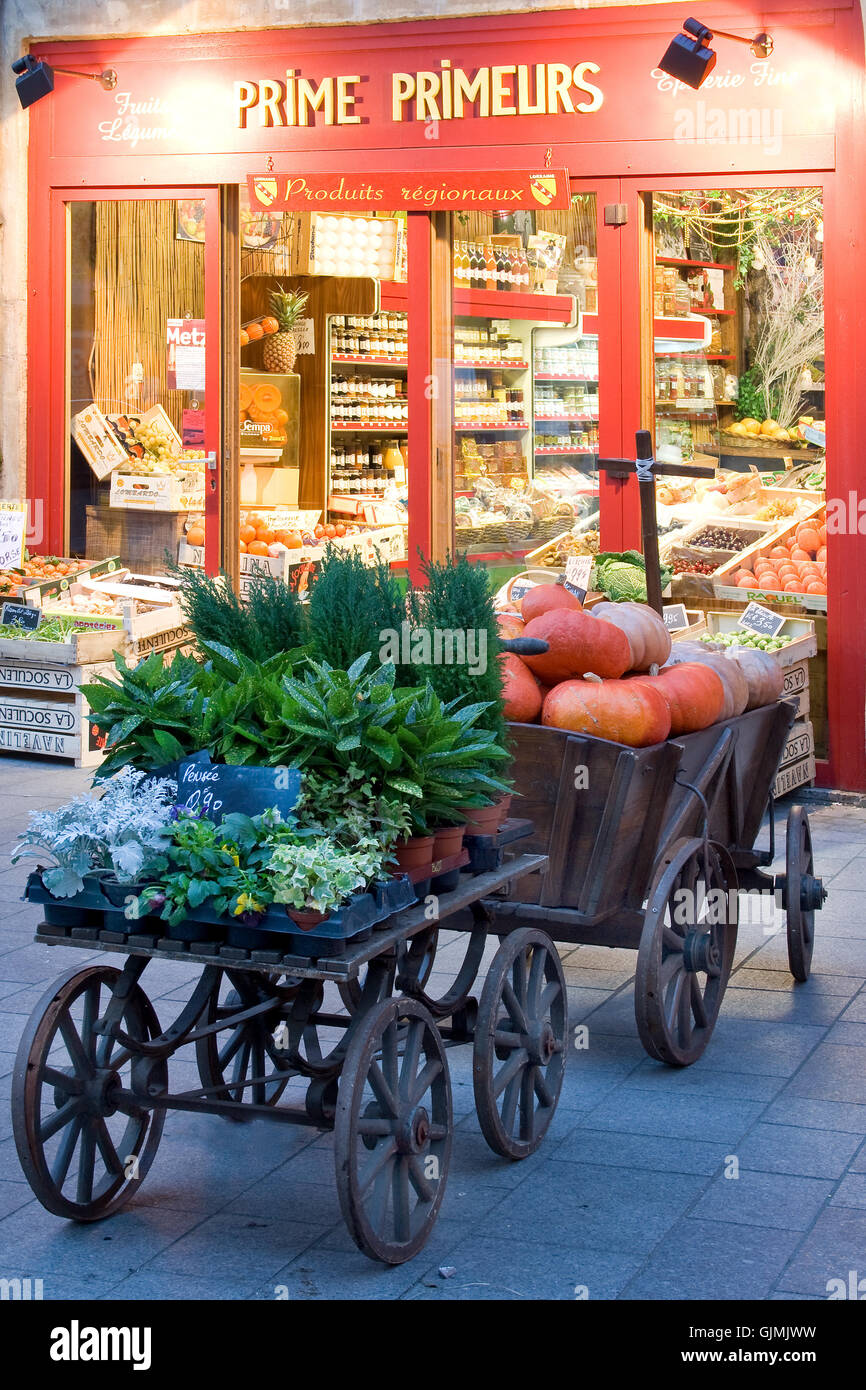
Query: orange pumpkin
pixel 544 597
pixel 510 625
pixel 520 692
pixel 694 693
pixel 724 663
pixel 621 711
pixel 577 643
pixel 648 637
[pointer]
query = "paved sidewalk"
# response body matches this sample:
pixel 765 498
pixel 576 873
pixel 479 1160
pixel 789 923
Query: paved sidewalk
pixel 627 1198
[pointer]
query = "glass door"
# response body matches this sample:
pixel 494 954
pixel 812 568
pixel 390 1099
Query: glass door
pixel 141 412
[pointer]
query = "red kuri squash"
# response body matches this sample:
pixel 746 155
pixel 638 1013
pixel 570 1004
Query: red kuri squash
pixel 520 691
pixel 621 711
pixel 543 598
pixel 577 643
pixel 695 695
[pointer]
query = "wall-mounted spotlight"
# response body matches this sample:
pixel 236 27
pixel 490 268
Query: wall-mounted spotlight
pixel 690 59
pixel 34 78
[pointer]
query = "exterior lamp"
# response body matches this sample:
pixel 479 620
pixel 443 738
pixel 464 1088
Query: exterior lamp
pixel 34 78
pixel 690 59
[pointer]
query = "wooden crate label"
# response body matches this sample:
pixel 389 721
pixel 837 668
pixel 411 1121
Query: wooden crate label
pixel 796 679
pixel 794 775
pixel 37 677
pixel 63 718
pixel 800 744
pixel 163 641
pixel 31 741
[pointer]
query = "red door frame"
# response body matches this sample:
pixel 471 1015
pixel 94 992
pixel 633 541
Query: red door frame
pixel 845 411
pixel 48 429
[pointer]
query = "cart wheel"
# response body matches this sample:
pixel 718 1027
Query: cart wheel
pixel 686 951
pixel 253 1050
pixel 519 1052
pixel 393 1130
pixel 802 893
pixel 84 1143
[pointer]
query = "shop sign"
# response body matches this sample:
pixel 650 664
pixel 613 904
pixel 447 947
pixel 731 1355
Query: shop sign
pixel 217 788
pixel 490 190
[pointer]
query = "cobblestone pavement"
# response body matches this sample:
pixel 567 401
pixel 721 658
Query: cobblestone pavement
pixel 628 1196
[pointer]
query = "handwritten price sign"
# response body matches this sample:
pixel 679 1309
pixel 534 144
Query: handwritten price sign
pixel 13 528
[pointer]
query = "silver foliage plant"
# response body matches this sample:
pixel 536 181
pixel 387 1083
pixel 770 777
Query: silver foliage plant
pixel 125 830
pixel 791 305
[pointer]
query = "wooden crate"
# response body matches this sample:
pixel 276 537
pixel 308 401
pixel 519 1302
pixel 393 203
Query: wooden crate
pixel 797 764
pixel 745 560
pixel 801 630
pixel 796 687
pixel 141 539
pixel 42 710
pixel 697 625
pixel 683 547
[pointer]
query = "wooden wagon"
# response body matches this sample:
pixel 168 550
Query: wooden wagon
pixel 649 847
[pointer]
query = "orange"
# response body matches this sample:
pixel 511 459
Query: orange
pixel 798 553
pixel 779 553
pixel 822 553
pixel 248 533
pixel 809 539
pixel 281 417
pixel 246 396
pixel 255 520
pixel 195 535
pixel 747 582
pixel 257 548
pixel 816 586
pixel 255 331
pixel 271 325
pixel 264 533
pixel 792 586
pixel 822 532
pixel 245 337
pixel 243 547
pixel 267 397
pixel 292 541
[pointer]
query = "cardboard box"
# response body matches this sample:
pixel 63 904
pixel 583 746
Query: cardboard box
pixel 157 492
pixel 97 441
pixel 311 244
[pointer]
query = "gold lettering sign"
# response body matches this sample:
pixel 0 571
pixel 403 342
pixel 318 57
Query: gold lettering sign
pixel 540 89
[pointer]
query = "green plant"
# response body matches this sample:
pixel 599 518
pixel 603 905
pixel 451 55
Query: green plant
pixel 751 400
pixel 270 620
pixel 448 759
pixel 352 812
pixel 621 576
pixel 152 714
pixel 241 722
pixel 351 606
pixel 317 875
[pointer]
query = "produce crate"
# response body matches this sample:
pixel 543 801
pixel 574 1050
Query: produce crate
pixel 797 764
pixel 697 625
pixel 801 630
pixel 35 592
pixel 746 558
pixel 157 492
pixel 141 539
pixel 683 548
pixel 43 711
pixel 805 503
pixel 796 686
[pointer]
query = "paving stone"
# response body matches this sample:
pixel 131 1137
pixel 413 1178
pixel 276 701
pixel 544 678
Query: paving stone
pixel 13 1196
pixel 833 955
pixel 799 1007
pixel 639 1151
pixel 847 1034
pixel 147 1283
pixel 788 1109
pixel 336 1274
pixel 698 1079
pixel 832 1249
pixel 832 1072
pixel 764 1199
pixel 748 978
pixel 683 1117
pixel 780 1148
pixel 129 1240
pixel 856 1010
pixel 485 1269
pixel 83 1286
pixel 759 1047
pixel 249 1246
pixel 699 1259
pixel 582 1204
pixel 851 1191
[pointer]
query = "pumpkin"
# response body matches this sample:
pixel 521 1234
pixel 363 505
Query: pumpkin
pixel 577 642
pixel 694 692
pixel 510 625
pixel 648 637
pixel 763 674
pixel 733 679
pixel 620 711
pixel 542 598
pixel 520 692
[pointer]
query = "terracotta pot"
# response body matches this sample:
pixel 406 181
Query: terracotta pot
pixel 305 920
pixel 483 820
pixel 448 840
pixel 414 853
pixel 504 803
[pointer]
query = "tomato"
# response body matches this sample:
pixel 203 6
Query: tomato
pixel 318 531
pixel 340 529
pixel 330 531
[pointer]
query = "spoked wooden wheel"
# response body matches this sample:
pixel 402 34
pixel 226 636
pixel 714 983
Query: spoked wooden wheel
pixel 393 1130
pixel 84 1143
pixel 802 893
pixel 248 1062
pixel 519 1051
pixel 686 951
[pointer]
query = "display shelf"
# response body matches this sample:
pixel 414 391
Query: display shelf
pixel 699 356
pixel 565 419
pixel 550 309
pixel 548 451
pixel 544 376
pixel 490 429
pixel 369 361
pixel 679 260
pixel 714 313
pixel 369 429
pixel 732 451
pixel 507 366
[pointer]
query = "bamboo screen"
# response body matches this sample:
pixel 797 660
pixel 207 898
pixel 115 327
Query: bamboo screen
pixel 143 275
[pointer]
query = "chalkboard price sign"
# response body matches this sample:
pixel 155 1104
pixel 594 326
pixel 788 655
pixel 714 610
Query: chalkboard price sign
pixel 218 788
pixel 577 571
pixel 762 621
pixel 676 619
pixel 21 615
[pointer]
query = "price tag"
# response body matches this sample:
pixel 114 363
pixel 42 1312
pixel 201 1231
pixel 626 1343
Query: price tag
pixel 762 621
pixel 217 788
pixel 676 619
pixel 577 571
pixel 20 615
pixel 13 528
pixel 305 337
pixel 815 436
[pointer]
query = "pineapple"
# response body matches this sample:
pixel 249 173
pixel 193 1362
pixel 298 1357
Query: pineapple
pixel 281 349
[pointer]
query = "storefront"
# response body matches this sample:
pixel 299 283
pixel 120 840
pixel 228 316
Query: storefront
pixel 445 374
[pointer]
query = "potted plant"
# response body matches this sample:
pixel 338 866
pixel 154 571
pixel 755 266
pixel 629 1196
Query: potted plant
pixel 66 844
pixel 133 822
pixel 312 877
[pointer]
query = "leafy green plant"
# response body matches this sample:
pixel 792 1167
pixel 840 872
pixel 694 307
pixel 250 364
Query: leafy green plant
pixel 621 576
pixel 448 759
pixel 152 714
pixel 351 606
pixel 241 721
pixel 457 598
pixel 269 621
pixel 751 398
pixel 352 812
pixel 317 875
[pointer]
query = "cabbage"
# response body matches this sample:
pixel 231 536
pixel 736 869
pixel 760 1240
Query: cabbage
pixel 621 576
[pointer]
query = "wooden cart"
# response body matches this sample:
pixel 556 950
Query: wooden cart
pixel 91 1079
pixel 649 848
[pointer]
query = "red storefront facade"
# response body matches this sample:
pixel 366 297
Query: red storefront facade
pixel 574 90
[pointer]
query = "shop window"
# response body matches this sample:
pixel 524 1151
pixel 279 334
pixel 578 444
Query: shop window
pixel 738 385
pixel 526 404
pixel 136 388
